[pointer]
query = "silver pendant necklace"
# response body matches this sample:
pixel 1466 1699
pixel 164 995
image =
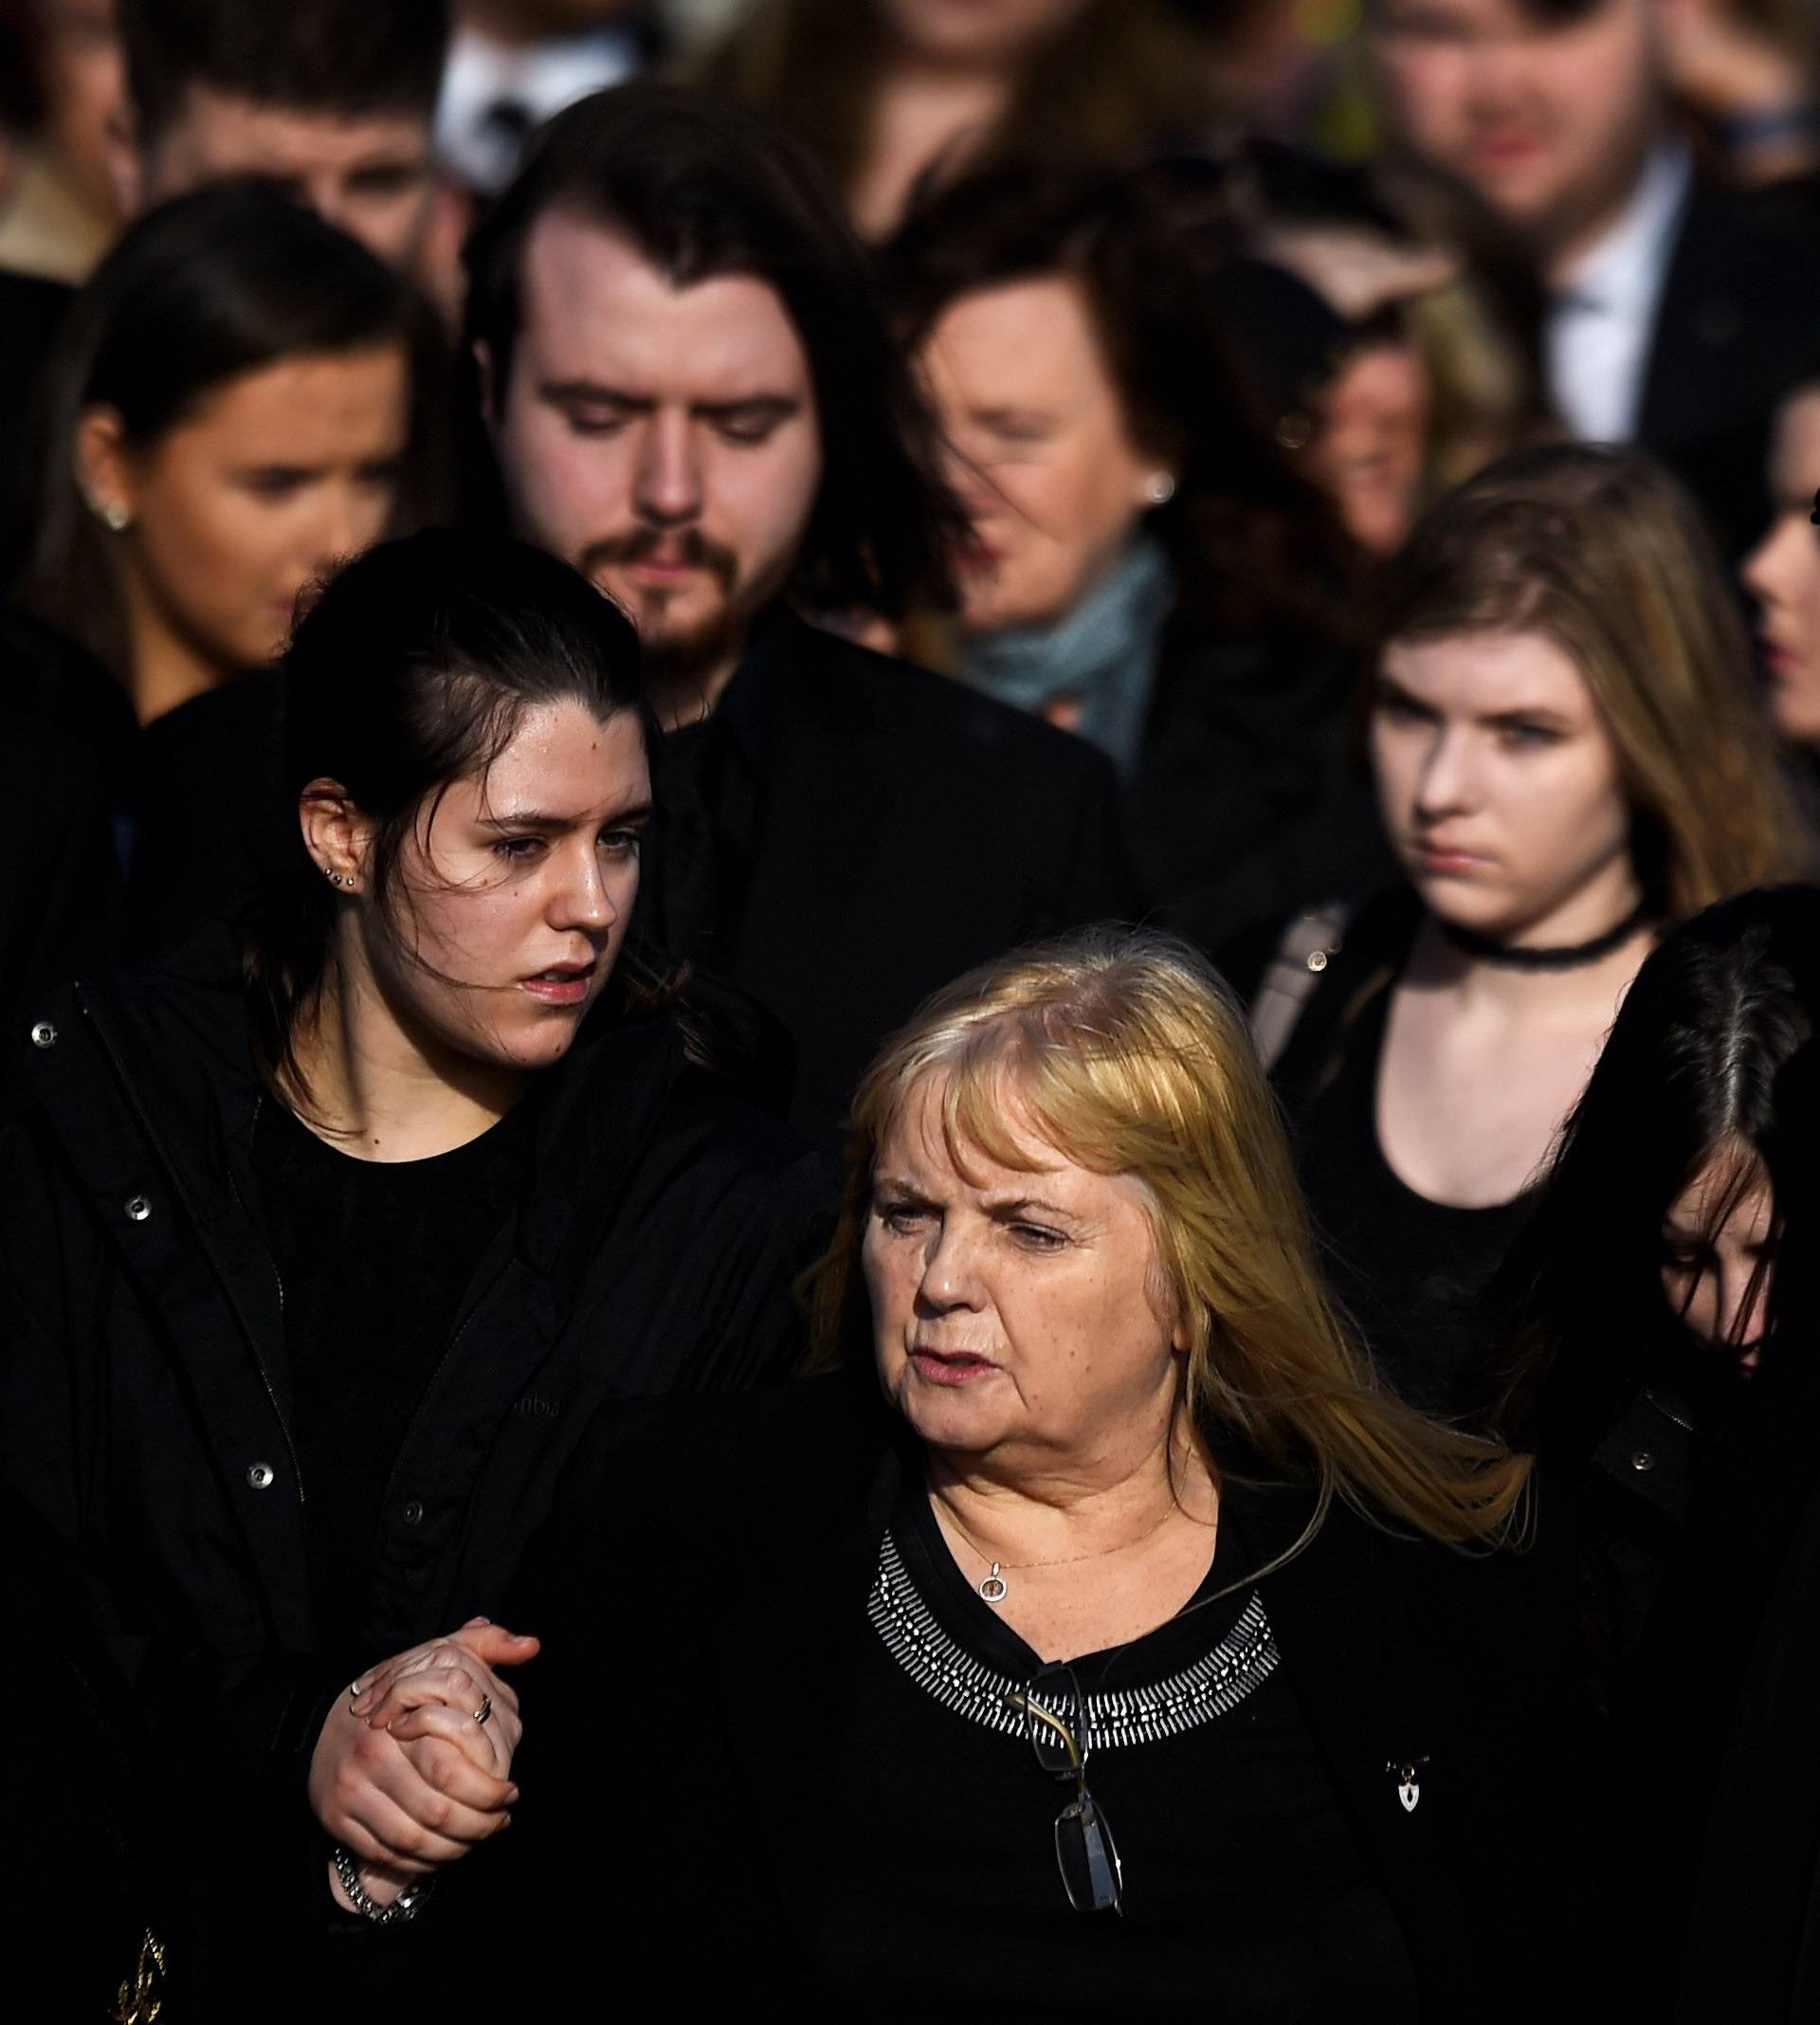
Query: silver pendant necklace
pixel 993 1587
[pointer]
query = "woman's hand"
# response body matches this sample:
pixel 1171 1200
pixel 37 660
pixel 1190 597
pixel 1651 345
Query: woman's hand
pixel 413 1799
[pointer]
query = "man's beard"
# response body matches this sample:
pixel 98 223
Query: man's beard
pixel 671 651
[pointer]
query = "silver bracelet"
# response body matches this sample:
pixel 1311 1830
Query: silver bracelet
pixel 405 1906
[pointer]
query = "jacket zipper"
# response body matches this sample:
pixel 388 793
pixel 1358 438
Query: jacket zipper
pixel 173 1175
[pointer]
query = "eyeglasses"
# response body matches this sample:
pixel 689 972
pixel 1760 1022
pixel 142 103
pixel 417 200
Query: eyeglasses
pixel 1091 1872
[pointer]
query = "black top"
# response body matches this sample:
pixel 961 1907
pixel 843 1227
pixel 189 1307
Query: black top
pixel 1404 1267
pixel 702 1591
pixel 373 1257
pixel 1249 1902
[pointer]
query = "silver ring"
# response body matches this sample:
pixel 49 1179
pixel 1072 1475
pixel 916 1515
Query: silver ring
pixel 485 1710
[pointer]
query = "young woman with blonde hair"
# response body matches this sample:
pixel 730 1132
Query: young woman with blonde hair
pixel 1096 1520
pixel 1569 759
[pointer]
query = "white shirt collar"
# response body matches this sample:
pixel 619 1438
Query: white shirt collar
pixel 1623 269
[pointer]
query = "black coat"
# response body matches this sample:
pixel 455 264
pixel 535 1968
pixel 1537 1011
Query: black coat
pixel 1247 802
pixel 702 1602
pixel 1736 327
pixel 848 833
pixel 144 1376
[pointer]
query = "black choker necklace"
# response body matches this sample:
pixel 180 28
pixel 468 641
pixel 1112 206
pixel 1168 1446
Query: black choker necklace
pixel 1487 949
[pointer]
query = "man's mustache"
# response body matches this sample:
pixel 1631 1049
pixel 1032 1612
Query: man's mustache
pixel 682 544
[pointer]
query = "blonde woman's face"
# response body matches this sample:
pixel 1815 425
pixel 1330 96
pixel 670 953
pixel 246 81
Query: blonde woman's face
pixel 1014 1312
pixel 1783 573
pixel 1499 786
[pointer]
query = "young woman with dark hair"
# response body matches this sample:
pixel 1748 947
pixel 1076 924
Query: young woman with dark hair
pixel 1569 760
pixel 1652 1339
pixel 321 1248
pixel 1143 567
pixel 242 397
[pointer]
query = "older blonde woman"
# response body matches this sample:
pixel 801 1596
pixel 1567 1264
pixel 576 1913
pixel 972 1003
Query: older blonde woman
pixel 1093 1637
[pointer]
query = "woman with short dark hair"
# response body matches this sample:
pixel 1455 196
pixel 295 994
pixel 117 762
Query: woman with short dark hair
pixel 322 1247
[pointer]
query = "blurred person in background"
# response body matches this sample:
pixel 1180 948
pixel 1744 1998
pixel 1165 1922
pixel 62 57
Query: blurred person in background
pixel 515 64
pixel 694 397
pixel 1749 71
pixel 1682 311
pixel 61 211
pixel 331 97
pixel 245 397
pixel 1782 574
pixel 1141 566
pixel 1570 756
pixel 894 96
pixel 1427 363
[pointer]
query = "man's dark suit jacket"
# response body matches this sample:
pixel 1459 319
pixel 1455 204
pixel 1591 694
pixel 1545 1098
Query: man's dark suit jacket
pixel 1737 328
pixel 848 833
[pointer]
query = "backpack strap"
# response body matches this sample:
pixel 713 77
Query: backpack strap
pixel 1310 942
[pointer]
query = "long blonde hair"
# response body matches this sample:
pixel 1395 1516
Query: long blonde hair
pixel 1601 550
pixel 1124 1051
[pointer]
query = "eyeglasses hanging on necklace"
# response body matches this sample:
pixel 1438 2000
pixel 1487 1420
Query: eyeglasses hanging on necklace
pixel 1085 1851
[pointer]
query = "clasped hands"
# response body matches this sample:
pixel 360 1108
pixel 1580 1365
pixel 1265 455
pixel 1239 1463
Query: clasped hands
pixel 404 1776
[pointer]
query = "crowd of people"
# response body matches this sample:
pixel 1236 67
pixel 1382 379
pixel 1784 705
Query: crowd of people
pixel 911 973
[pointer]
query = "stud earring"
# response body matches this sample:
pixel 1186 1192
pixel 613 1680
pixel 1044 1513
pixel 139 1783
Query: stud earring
pixel 1160 490
pixel 112 514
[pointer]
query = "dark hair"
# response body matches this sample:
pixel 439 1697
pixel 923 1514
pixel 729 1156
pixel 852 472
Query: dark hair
pixel 1255 545
pixel 226 280
pixel 348 59
pixel 413 670
pixel 702 187
pixel 1694 1067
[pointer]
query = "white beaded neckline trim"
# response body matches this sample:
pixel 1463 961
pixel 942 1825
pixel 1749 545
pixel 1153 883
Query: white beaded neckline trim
pixel 1242 1660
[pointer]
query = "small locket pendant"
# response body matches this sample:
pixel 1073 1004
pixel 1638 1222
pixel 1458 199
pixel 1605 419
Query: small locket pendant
pixel 992 1588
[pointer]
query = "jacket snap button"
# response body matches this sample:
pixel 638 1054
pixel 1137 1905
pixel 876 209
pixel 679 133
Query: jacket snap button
pixel 138 1208
pixel 1642 1459
pixel 43 1035
pixel 262 1476
pixel 413 1513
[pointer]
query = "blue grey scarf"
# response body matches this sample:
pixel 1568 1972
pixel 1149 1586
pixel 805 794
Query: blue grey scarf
pixel 1103 652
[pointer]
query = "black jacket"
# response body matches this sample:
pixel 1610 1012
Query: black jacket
pixel 143 1381
pixel 848 833
pixel 1247 803
pixel 702 1605
pixel 1737 328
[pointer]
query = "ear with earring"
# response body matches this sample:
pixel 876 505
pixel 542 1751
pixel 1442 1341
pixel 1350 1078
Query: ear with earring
pixel 335 878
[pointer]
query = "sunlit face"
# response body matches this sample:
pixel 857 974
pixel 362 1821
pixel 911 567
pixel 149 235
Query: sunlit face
pixel 1549 123
pixel 984 32
pixel 662 439
pixel 514 893
pixel 373 176
pixel 1012 1311
pixel 1718 1281
pixel 84 75
pixel 1367 453
pixel 1039 450
pixel 1499 785
pixel 274 478
pixel 1783 573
